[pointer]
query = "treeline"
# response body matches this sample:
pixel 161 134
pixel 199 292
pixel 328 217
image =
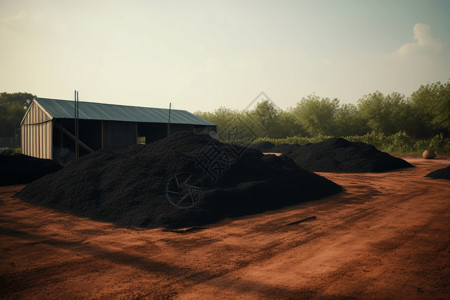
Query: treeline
pixel 422 116
pixel 12 109
pixel 391 122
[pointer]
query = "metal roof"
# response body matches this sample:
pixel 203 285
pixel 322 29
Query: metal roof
pixel 64 109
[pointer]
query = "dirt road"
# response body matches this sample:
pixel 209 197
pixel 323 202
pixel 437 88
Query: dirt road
pixel 386 236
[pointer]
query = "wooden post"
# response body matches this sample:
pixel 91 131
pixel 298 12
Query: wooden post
pixel 168 123
pixel 136 133
pixel 102 132
pixel 77 148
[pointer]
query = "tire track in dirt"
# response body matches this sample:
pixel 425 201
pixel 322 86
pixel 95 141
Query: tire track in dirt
pixel 362 244
pixel 365 215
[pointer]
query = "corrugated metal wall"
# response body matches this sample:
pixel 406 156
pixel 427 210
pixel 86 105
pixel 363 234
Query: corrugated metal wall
pixel 36 133
pixel 119 135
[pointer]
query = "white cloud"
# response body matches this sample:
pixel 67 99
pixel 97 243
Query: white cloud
pixel 424 44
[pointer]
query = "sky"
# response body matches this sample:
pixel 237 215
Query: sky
pixel 202 55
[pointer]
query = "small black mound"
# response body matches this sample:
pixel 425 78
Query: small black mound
pixel 340 155
pixel 131 188
pixel 263 146
pixel 20 169
pixel 285 148
pixel 443 173
pixel 272 148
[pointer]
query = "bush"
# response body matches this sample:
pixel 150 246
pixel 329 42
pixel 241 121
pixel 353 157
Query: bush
pixel 300 140
pixel 400 143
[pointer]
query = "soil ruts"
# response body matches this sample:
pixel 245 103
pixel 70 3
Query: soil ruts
pixel 20 169
pixel 443 173
pixel 162 184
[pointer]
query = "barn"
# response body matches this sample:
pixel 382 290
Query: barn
pixel 48 127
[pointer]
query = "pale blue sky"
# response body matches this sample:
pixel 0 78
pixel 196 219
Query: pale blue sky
pixel 201 55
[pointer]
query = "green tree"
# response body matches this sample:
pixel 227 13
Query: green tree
pixel 288 125
pixel 12 109
pixel 384 114
pixel 264 120
pixel 317 115
pixel 223 117
pixel 430 106
pixel 349 122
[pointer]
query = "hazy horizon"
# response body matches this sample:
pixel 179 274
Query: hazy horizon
pixel 202 55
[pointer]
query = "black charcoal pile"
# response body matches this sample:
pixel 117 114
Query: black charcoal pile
pixel 285 148
pixel 181 181
pixel 340 155
pixel 263 146
pixel 443 173
pixel 20 169
pixel 268 147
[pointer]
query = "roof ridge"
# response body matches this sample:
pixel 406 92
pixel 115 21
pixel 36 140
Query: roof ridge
pixel 64 109
pixel 65 100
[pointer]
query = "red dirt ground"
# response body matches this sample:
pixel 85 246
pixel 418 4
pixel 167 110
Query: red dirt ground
pixel 386 236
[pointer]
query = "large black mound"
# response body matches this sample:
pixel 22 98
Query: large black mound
pixel 443 173
pixel 20 169
pixel 340 155
pixel 130 189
